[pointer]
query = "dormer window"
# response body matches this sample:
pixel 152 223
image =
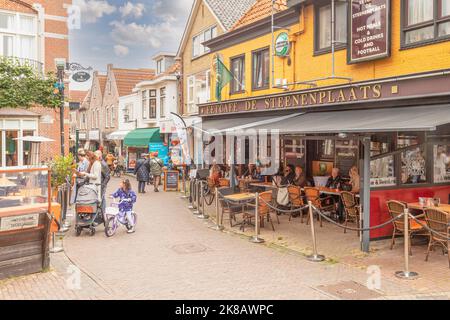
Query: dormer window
pixel 160 66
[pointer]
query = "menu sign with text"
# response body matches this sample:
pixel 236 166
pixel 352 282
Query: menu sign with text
pixel 370 30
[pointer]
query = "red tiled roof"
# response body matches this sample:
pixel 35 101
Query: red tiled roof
pixel 260 10
pixel 77 96
pixel 17 6
pixel 126 79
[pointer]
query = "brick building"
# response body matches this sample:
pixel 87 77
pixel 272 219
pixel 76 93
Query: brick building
pixel 35 32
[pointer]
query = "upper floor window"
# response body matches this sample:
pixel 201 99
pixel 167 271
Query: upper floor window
pixel 261 69
pixel 18 36
pixel 128 112
pixel 162 102
pixel 197 42
pixel 152 106
pixel 145 102
pixel 425 20
pixel 159 66
pixel 323 25
pixel 198 90
pixel 238 70
pixel 113 117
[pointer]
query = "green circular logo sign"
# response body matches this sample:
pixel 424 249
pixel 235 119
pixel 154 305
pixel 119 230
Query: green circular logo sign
pixel 282 45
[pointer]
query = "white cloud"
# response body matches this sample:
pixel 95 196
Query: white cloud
pixel 132 10
pixel 92 10
pixel 121 51
pixel 164 32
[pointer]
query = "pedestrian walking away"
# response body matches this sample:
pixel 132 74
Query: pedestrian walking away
pixel 156 167
pixel 142 172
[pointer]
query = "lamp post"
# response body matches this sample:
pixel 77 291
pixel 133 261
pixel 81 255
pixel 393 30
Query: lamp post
pixel 60 68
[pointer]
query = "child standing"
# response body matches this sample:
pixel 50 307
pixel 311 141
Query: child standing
pixel 127 198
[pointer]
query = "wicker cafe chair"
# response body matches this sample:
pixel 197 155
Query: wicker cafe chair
pixel 243 186
pixel 263 210
pixel 321 203
pixel 438 221
pixel 229 208
pixel 396 208
pixel 296 201
pixel 351 208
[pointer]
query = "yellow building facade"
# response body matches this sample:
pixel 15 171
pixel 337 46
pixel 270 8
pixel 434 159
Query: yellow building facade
pixel 304 64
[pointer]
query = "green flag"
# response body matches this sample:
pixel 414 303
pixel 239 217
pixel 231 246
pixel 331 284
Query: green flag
pixel 223 77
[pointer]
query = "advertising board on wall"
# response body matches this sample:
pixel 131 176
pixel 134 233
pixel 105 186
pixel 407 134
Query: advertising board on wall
pixel 369 30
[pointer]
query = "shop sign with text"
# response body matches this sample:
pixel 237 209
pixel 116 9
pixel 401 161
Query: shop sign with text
pixel 370 30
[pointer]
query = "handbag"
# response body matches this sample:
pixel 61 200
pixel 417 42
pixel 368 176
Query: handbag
pixel 283 196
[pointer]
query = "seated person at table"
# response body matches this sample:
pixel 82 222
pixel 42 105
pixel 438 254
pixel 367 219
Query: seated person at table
pixel 257 174
pixel 300 178
pixel 288 176
pixel 335 181
pixel 215 173
pixel 355 179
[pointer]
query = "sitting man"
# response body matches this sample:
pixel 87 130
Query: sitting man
pixel 335 181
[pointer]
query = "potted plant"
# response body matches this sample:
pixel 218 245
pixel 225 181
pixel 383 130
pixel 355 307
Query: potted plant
pixel 61 168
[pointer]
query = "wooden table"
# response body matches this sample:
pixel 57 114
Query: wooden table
pixel 239 197
pixel 418 206
pixel 264 185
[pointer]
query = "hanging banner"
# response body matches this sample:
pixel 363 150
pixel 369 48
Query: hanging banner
pixel 183 136
pixel 370 30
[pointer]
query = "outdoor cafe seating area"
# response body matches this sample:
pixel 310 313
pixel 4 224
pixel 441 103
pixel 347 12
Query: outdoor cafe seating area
pixel 288 224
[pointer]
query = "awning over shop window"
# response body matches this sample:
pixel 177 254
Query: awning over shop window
pixel 422 118
pixel 141 138
pixel 118 135
pixel 235 124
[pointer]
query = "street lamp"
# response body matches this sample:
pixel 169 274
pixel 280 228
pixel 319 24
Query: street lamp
pixel 61 67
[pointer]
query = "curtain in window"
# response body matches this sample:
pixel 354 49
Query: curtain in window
pixel 6 21
pixel 341 22
pixel 27 25
pixel 445 8
pixel 420 11
pixel 259 65
pixel 7 50
pixel 238 72
pixel 27 47
pixel 324 27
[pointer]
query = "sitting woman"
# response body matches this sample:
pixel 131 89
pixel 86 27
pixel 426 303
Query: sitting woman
pixel 215 173
pixel 300 178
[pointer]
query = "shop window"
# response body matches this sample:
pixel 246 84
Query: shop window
pixel 425 21
pixel 261 69
pixel 11 147
pixel 382 172
pixel 323 26
pixel 441 163
pixel 238 71
pixel 413 164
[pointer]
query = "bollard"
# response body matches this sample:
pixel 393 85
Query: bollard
pixel 183 173
pixel 201 205
pixel 191 195
pixel 64 205
pixel 256 238
pixel 315 257
pixel 406 274
pixel 218 226
pixel 67 223
pixel 54 248
pixel 197 199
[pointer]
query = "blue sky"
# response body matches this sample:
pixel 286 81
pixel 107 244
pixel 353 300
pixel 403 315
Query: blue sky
pixel 127 33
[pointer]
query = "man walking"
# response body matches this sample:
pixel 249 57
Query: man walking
pixel 156 166
pixel 142 172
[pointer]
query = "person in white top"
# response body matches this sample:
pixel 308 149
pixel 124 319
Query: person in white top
pixel 94 173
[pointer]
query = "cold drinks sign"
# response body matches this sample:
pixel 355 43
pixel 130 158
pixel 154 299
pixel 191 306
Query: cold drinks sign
pixel 370 30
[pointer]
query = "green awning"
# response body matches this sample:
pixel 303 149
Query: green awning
pixel 141 138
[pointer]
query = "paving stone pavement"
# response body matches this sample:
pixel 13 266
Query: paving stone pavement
pixel 174 255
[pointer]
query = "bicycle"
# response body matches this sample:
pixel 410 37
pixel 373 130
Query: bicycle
pixel 114 218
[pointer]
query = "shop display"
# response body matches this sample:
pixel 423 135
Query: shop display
pixel 441 163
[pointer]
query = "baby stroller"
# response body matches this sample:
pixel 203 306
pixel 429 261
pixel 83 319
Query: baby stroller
pixel 88 209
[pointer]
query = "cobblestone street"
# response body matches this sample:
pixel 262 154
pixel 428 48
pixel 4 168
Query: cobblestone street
pixel 174 255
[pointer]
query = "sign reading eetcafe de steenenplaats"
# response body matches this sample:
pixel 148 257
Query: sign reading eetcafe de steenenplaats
pixel 370 30
pixel 357 93
pixel 19 222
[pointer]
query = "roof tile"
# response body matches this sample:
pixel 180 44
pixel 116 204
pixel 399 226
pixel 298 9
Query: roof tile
pixel 260 10
pixel 229 11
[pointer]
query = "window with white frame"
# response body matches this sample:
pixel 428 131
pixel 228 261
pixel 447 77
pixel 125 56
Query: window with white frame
pixel 152 105
pixel 199 90
pixel 106 117
pixel 18 35
pixel 197 42
pixel 160 66
pixel 145 104
pixel 162 102
pixel 128 112
pixel 113 117
pixel 98 119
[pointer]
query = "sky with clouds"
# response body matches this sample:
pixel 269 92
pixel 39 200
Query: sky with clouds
pixel 127 33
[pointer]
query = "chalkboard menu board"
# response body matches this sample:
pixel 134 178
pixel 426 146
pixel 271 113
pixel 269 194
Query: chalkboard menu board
pixel 171 180
pixel 346 156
